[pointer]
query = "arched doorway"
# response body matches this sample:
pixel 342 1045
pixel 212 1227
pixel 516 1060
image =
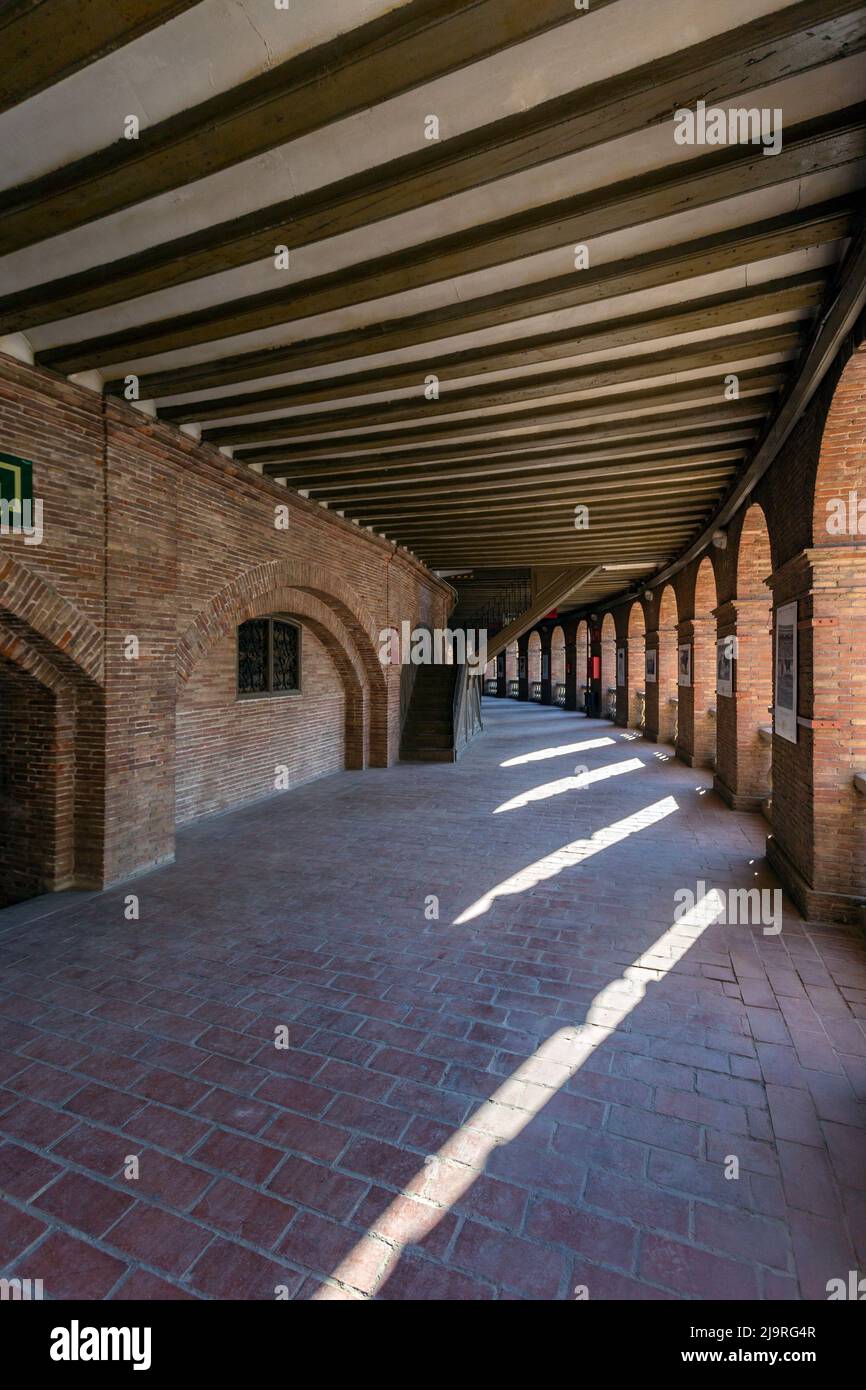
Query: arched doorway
pixel 635 660
pixel 533 665
pixel 608 667
pixel 696 737
pixel 512 667
pixel 581 648
pixel 331 679
pixel 818 843
pixel 557 666
pixel 666 673
pixel 52 741
pixel 744 673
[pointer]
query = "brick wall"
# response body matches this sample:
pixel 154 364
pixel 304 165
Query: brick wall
pixel 151 536
pixel 228 749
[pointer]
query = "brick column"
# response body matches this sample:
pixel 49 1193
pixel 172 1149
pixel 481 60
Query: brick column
pixel 546 683
pixel 523 666
pixel 651 725
pixel 818 844
pixel 569 630
pixel 622 690
pixel 696 729
pixel 743 756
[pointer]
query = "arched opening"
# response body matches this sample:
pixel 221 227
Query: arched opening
pixel 512 666
pixel 666 673
pixel 702 734
pixel 636 657
pixel 581 649
pixel 744 673
pixel 51 769
pixel 608 667
pixel 280 586
pixel 533 665
pixel 269 728
pixel 557 666
pixel 819 762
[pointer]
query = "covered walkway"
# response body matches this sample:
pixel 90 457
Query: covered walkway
pixel 516 1064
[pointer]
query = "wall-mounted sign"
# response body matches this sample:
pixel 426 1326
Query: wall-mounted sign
pixel 724 667
pixel 545 666
pixel 785 710
pixel 684 663
pixel 620 665
pixel 651 664
pixel 16 481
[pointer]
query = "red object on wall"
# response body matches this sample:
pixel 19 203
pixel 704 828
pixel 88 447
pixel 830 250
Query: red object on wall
pixel 595 668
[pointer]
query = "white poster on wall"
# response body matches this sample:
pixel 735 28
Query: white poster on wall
pixel 684 664
pixel 785 708
pixel 620 665
pixel 724 666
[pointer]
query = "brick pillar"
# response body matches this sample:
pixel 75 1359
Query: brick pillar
pixel 696 726
pixel 596 696
pixel 651 726
pixel 571 663
pixel 523 666
pixel 635 659
pixel 818 843
pixel 622 688
pixel 546 682
pixel 743 755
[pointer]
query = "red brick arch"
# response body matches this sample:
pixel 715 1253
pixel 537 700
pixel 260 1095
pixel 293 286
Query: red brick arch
pixel 635 665
pixel 840 468
pixel 344 626
pixel 667 673
pixel 49 621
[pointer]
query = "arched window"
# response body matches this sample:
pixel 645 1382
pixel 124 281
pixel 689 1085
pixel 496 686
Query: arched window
pixel 269 658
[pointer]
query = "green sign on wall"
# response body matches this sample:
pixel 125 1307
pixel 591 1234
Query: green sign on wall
pixel 16 480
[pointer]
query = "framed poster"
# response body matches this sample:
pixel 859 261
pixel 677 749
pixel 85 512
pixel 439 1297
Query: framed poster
pixel 620 665
pixel 545 666
pixel 724 667
pixel 684 663
pixel 651 664
pixel 785 708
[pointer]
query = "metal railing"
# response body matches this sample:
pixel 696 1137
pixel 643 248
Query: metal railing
pixel 559 696
pixel 514 689
pixel 535 690
pixel 491 686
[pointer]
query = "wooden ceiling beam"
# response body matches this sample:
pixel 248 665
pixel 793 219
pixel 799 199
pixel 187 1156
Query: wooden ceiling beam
pixel 759 380
pixel 791 294
pixel 809 226
pixel 772 47
pixel 810 147
pixel 639 457
pixel 393 53
pixel 724 353
pixel 44 41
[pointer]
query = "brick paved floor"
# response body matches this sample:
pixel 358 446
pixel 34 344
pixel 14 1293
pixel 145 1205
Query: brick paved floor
pixel 542 1089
